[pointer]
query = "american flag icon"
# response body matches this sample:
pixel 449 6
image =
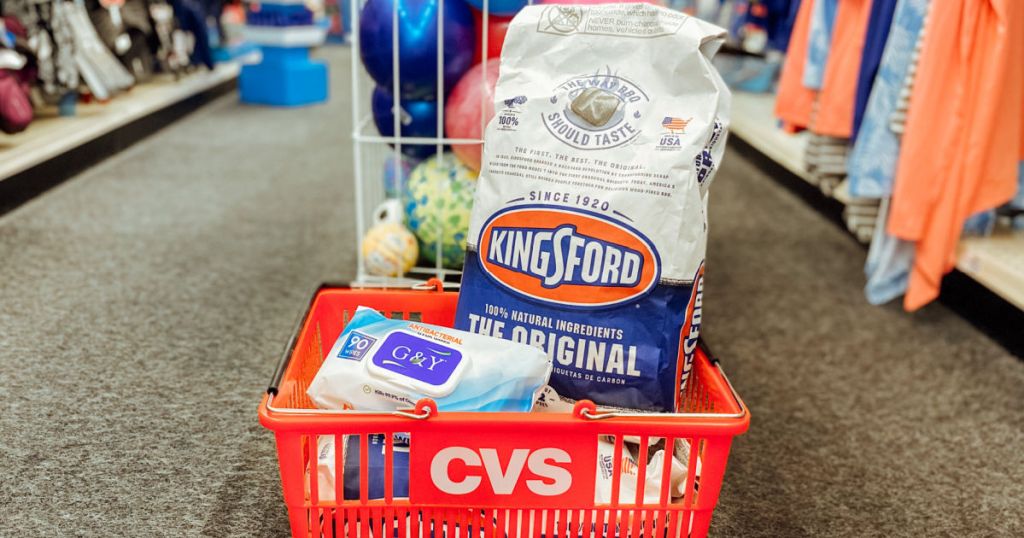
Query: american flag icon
pixel 674 124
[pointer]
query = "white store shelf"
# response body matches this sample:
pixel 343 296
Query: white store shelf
pixel 996 262
pixel 754 121
pixel 51 135
pixel 286 36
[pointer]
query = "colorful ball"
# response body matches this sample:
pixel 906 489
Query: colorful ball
pixel 417 44
pixel 499 7
pixel 439 197
pixel 471 98
pixel 416 118
pixel 389 249
pixel 497 27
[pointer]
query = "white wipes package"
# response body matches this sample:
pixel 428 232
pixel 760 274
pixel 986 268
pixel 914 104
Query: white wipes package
pixel 589 228
pixel 381 364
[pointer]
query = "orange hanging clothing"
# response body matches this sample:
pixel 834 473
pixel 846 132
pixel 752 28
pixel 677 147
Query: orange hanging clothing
pixel 1019 73
pixel 839 88
pixel 794 102
pixel 963 134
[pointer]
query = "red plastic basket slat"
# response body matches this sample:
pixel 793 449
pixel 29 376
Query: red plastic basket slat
pixel 714 415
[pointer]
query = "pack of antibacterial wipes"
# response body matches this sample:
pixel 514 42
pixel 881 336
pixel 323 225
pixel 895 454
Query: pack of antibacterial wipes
pixel 381 364
pixel 588 232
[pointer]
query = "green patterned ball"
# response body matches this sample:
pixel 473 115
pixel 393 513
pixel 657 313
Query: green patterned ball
pixel 438 199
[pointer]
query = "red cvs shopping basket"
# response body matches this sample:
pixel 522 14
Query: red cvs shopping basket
pixel 500 475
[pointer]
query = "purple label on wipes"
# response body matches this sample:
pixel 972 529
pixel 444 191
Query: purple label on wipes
pixel 418 358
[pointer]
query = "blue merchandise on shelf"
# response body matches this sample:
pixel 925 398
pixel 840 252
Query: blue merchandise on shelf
pixel 285 77
pixel 279 15
pixel 747 73
pixel 879 23
pixel 980 224
pixel 227 53
pixel 889 260
pixel 191 16
pixel 67 106
pixel 819 42
pixel 774 17
pixel 875 153
pixel 872 165
pixel 782 25
pixel 1018 200
pixel 346 17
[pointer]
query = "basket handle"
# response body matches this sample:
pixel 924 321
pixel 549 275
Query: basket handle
pixel 286 355
pixel 432 284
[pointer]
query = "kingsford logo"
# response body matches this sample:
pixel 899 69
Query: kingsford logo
pixel 568 257
pixel 585 260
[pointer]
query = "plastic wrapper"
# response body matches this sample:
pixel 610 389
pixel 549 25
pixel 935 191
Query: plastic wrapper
pixel 381 364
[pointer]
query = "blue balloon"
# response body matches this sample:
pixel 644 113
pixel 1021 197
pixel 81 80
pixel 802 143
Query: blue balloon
pixel 417 118
pixel 417 44
pixel 503 8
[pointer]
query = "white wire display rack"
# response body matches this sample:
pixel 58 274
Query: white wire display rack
pixel 371 149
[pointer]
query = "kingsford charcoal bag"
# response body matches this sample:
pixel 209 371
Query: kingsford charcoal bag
pixel 588 232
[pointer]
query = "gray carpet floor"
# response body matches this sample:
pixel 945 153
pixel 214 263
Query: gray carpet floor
pixel 143 305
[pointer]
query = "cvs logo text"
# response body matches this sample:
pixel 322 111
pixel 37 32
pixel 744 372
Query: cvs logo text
pixel 505 470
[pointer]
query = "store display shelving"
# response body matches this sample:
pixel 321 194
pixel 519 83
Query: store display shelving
pixel 51 135
pixel 996 262
pixel 286 36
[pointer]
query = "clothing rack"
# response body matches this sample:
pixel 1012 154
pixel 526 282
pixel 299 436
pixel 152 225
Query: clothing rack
pixel 996 262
